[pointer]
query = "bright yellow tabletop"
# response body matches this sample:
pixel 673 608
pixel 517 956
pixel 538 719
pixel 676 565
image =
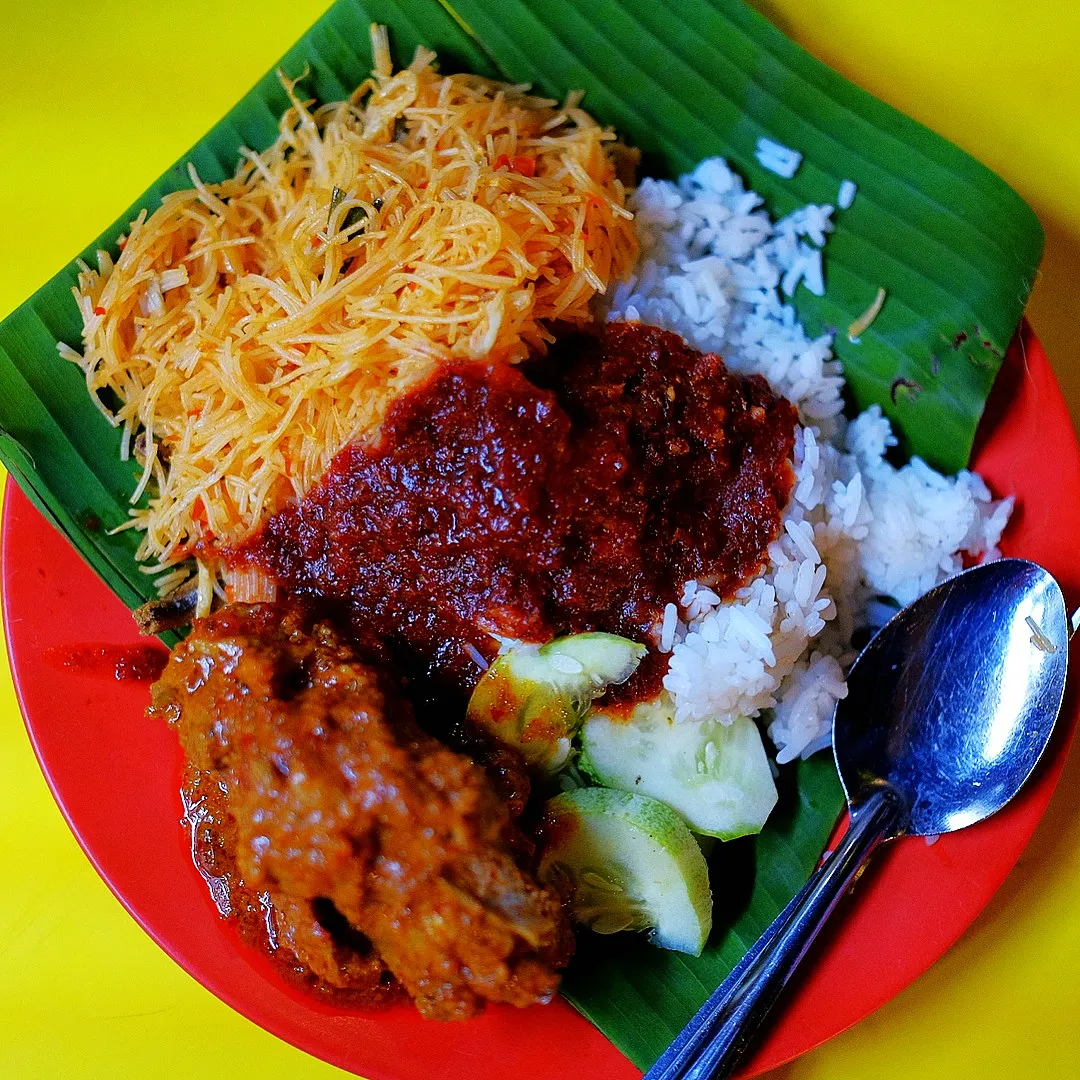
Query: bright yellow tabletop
pixel 95 101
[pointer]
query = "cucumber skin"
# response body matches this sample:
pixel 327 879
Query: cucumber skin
pixel 526 715
pixel 527 703
pixel 657 822
pixel 585 764
pixel 642 812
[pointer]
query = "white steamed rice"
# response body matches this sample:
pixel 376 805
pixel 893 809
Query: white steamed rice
pixel 859 535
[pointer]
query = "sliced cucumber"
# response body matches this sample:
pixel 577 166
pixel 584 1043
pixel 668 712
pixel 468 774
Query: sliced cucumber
pixel 534 698
pixel 716 775
pixel 627 862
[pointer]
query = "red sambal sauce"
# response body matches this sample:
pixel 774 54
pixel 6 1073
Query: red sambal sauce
pixel 575 493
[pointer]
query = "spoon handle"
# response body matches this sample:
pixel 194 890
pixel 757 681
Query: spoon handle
pixel 714 1042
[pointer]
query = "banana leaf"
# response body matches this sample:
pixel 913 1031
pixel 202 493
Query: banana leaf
pixel 955 248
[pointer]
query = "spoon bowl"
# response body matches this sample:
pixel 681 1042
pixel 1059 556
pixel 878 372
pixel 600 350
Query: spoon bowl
pixel 952 704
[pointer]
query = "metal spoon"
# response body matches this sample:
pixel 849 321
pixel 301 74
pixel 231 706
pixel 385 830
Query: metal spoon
pixel 948 711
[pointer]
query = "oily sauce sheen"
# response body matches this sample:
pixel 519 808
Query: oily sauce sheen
pixel 576 493
pixel 122 663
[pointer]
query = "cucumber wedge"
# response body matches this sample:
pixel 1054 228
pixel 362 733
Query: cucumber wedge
pixel 628 862
pixel 715 775
pixel 534 698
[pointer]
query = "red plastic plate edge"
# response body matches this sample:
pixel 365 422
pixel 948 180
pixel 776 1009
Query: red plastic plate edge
pixel 906 914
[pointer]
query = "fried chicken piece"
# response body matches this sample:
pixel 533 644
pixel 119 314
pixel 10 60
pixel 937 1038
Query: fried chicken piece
pixel 340 800
pixel 338 956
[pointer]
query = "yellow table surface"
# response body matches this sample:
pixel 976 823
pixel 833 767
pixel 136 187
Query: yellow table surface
pixel 95 101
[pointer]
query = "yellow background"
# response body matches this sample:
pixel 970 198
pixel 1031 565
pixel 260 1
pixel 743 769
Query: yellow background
pixel 95 101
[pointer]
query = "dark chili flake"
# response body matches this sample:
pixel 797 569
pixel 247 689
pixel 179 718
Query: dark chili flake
pixel 913 389
pixel 985 342
pixel 355 215
pixel 335 200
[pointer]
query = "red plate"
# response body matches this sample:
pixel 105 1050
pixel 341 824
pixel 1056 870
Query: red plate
pixel 116 778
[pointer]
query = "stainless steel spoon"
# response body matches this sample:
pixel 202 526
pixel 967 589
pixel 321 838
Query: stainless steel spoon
pixel 948 711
